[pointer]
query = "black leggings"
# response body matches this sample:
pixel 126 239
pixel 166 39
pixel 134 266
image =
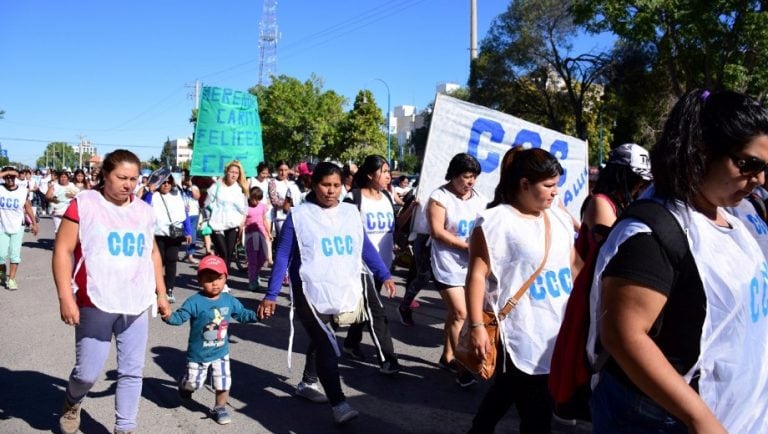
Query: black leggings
pixel 377 323
pixel 322 361
pixel 224 244
pixel 169 253
pixel 529 393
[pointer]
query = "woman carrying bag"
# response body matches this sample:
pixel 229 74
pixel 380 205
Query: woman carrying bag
pixel 321 235
pixel 172 227
pixel 520 237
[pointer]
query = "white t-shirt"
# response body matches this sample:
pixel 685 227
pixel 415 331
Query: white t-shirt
pixel 12 209
pixel 449 264
pixel 229 208
pixel 379 222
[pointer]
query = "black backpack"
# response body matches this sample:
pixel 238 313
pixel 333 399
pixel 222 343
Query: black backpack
pixel 570 371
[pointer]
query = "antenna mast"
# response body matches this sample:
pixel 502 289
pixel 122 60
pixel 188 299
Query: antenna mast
pixel 268 36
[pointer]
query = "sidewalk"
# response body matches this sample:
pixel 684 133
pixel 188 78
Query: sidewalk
pixel 38 353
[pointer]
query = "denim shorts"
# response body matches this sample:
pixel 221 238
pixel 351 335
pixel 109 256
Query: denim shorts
pixel 617 408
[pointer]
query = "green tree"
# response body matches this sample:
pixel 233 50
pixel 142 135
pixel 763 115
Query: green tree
pixel 299 120
pixel 526 67
pixel 715 44
pixel 59 155
pixel 167 156
pixel 362 132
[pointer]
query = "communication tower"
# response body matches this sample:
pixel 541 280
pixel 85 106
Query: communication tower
pixel 268 36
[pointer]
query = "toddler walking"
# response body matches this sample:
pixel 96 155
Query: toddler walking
pixel 258 241
pixel 210 311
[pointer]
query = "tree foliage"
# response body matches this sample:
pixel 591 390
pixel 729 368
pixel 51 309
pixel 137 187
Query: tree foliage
pixel 167 155
pixel 361 132
pixel 526 67
pixel 60 155
pixel 299 120
pixel 714 44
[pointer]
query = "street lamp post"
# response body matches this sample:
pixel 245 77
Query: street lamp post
pixel 389 136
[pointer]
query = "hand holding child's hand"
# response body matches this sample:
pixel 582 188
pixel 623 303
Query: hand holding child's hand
pixel 266 309
pixel 163 308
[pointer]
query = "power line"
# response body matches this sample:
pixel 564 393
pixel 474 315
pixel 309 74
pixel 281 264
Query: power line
pixel 331 33
pixel 108 145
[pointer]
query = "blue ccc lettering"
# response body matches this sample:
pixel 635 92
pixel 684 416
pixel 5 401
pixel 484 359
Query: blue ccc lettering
pixel 126 244
pixel 464 228
pixel 553 283
pixel 758 295
pixel 9 203
pixel 760 227
pixel 379 221
pixel 341 246
pixel 495 131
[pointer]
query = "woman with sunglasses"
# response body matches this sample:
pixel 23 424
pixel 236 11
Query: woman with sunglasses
pixel 170 221
pixel 688 343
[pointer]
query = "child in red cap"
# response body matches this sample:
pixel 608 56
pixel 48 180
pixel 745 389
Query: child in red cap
pixel 210 311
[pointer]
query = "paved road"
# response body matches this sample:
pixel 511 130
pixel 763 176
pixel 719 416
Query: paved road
pixel 37 353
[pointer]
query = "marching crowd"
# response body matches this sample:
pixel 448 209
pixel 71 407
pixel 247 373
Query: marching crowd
pixel 667 261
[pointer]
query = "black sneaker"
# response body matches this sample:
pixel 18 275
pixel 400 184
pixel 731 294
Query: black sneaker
pixel 406 316
pixel 390 367
pixel 465 379
pixel 354 353
pixel 452 366
pixel 185 394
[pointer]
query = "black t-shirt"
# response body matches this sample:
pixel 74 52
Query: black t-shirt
pixel 677 330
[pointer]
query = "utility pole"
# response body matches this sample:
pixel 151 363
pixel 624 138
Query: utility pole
pixel 472 30
pixel 80 151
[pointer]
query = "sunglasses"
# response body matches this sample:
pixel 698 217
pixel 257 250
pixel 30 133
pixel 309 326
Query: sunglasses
pixel 749 166
pixel 9 178
pixel 168 182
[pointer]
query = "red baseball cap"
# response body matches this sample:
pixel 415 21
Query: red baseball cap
pixel 212 262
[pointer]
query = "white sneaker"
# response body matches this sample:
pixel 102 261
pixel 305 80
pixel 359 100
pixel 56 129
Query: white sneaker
pixel 311 392
pixel 343 412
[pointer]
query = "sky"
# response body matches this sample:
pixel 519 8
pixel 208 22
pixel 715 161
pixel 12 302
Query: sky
pixel 122 74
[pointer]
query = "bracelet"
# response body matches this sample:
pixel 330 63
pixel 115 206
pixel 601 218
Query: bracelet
pixel 475 325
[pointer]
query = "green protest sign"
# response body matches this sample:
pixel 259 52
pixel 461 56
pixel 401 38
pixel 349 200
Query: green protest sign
pixel 228 128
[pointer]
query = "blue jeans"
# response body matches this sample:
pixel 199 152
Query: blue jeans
pixel 617 408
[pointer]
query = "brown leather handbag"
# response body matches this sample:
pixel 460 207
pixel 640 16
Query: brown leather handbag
pixel 484 367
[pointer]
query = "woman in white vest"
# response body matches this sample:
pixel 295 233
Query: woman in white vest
pixel 14 205
pixel 279 189
pixel 108 274
pixel 451 213
pixel 323 234
pixel 59 194
pixel 170 211
pixel 507 247
pixel 227 205
pixel 378 217
pixel 688 345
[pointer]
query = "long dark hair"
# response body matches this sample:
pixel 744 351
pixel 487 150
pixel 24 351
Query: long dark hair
pixel 701 128
pixel 533 164
pixel 323 169
pixel 114 159
pixel 371 164
pixel 617 181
